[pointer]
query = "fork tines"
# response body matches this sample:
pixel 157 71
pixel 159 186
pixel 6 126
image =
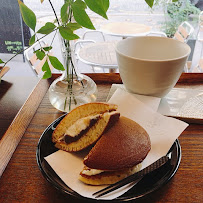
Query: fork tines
pixel 135 177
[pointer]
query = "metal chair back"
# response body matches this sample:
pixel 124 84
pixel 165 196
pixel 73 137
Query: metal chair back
pixel 33 61
pixel 197 59
pixel 184 31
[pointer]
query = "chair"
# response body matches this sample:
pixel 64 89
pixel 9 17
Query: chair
pixel 184 31
pixel 182 34
pixel 32 59
pixel 94 34
pixel 197 59
pixel 157 33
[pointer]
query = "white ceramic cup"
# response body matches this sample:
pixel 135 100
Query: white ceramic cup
pixel 150 65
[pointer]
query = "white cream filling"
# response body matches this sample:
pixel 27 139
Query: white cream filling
pixel 79 125
pixel 91 172
pixel 83 123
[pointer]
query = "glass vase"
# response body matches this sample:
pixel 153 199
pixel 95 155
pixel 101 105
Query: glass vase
pixel 71 89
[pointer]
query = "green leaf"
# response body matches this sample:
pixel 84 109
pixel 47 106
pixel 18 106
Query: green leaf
pixel 47 70
pixel 73 26
pixel 105 4
pixel 67 33
pixel 28 15
pixel 174 0
pixel 64 13
pixel 45 66
pixel 32 40
pixel 56 63
pixel 150 2
pixel 47 28
pixel 99 6
pixel 1 61
pixel 80 4
pixel 40 54
pixel 47 48
pixel 80 14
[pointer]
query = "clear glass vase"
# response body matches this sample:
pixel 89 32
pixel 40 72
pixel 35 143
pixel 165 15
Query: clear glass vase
pixel 71 89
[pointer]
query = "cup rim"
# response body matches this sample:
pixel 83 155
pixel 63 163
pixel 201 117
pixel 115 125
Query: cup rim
pixel 151 60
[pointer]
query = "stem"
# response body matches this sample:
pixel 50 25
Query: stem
pixel 67 74
pixel 70 103
pixel 53 38
pixel 69 67
pixel 67 59
pixel 14 56
pixel 38 40
pixel 70 14
pixel 54 13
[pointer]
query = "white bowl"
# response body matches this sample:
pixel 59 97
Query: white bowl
pixel 150 65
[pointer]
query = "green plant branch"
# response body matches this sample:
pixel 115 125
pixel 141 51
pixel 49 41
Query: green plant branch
pixel 70 14
pixel 54 12
pixel 53 37
pixel 38 40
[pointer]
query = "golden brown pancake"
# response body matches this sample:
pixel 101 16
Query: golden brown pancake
pixel 108 177
pixel 117 154
pixel 84 125
pixel 124 145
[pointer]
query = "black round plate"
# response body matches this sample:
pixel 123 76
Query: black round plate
pixel 148 184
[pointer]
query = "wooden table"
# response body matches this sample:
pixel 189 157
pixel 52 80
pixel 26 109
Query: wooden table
pixel 22 180
pixel 125 29
pixel 13 93
pixel 101 54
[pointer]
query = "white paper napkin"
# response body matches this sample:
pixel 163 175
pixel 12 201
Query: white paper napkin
pixel 68 167
pixel 163 131
pixel 152 102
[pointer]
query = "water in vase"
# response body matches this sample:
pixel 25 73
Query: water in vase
pixel 65 97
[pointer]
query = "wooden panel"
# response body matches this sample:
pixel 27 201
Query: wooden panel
pixel 16 130
pixel 183 32
pixel 190 79
pixel 34 62
pixel 33 59
pixel 179 37
pixel 3 71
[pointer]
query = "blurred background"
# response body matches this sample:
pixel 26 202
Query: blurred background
pixel 165 16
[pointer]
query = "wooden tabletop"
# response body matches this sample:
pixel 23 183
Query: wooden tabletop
pixel 22 181
pixel 13 93
pixel 99 54
pixel 125 29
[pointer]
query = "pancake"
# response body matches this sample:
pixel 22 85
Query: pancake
pixel 117 154
pixel 84 125
pixel 107 177
pixel 125 145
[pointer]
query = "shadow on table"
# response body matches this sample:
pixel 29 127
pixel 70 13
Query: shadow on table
pixel 4 87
